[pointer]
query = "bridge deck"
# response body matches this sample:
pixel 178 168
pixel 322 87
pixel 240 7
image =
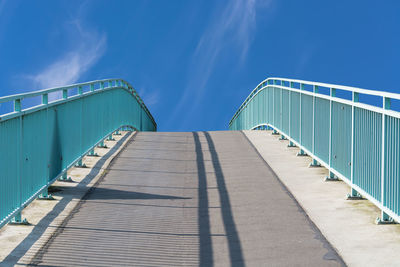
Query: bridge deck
pixel 188 199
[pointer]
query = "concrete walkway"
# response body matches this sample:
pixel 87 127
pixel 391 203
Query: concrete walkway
pixel 203 198
pixel 349 225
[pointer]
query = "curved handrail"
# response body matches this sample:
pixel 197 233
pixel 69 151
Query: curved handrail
pixel 279 81
pixel 118 83
pixel 41 142
pixel 356 141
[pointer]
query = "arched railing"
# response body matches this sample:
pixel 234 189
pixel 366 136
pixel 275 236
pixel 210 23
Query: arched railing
pixel 39 143
pixel 354 133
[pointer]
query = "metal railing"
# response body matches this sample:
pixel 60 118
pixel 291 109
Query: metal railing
pixel 39 144
pixel 354 133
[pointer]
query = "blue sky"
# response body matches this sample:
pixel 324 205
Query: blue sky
pixel 194 62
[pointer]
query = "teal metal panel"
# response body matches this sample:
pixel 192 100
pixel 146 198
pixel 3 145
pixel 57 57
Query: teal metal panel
pixel 285 111
pixel 307 121
pixel 351 139
pixel 391 185
pixel 341 138
pixel 40 143
pixel 9 166
pixel 295 116
pixel 322 128
pixel 368 151
pixel 34 162
pixel 263 106
pixel 270 105
pixel 277 108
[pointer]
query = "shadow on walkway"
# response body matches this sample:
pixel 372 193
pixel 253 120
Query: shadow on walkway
pixel 235 249
pixel 206 250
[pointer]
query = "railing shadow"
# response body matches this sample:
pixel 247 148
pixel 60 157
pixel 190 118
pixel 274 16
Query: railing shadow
pixel 203 216
pixel 234 245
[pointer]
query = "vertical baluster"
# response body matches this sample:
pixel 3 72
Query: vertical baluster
pixel 384 218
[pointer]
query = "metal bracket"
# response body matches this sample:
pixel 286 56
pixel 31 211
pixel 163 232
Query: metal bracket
pixel 314 163
pixel 291 144
pixel 46 197
pixel 92 153
pixel 274 132
pixel 301 153
pixel 354 195
pixel 65 178
pixel 80 164
pixel 17 220
pixel 385 219
pixel 102 145
pixel 331 178
pixel 283 137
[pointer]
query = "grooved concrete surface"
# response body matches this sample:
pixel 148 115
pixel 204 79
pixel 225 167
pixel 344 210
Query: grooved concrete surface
pixel 180 199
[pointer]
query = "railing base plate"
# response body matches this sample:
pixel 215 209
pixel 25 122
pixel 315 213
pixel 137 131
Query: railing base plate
pixel 380 221
pixel 23 222
pixel 66 180
pixel 48 197
pixel 356 197
pixel 330 179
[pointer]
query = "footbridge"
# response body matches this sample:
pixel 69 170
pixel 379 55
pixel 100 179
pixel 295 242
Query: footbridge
pixel 127 195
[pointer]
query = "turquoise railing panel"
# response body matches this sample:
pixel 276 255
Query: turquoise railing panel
pixel 392 164
pixel 321 136
pixel 306 121
pixel 341 138
pixel 368 151
pixel 295 116
pixel 40 143
pixel 357 141
pixel 285 112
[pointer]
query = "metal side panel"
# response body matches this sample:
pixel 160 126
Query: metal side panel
pixel 322 128
pixel 295 116
pixel 341 138
pixel 392 165
pixel 368 151
pixel 306 121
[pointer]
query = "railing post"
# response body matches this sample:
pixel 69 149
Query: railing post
pixel 17 218
pixel 330 176
pixel 80 90
pixel 353 194
pixel 92 87
pixel 45 194
pixel 291 85
pixel 314 162
pixel 92 153
pixel 110 84
pixel 301 152
pixel 17 105
pixel 102 145
pixel 384 218
pixel 65 93
pixel 64 178
pixel 45 99
pixel 80 164
pixel 273 108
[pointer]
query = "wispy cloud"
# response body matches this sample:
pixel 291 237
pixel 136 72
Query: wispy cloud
pixel 69 67
pixel 2 5
pixel 231 29
pixel 150 98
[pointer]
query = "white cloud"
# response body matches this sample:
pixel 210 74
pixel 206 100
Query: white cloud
pixel 70 66
pixel 231 29
pixel 149 98
pixel 2 5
